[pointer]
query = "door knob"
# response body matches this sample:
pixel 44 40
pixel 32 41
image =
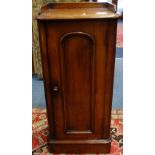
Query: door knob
pixel 55 89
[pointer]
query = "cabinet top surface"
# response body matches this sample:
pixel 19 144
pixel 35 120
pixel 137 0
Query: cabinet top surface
pixel 82 10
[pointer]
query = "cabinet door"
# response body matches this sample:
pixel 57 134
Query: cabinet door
pixel 77 57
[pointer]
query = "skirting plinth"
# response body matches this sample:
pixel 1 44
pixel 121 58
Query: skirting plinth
pixel 80 146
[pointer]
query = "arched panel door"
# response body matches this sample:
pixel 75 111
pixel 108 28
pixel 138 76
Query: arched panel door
pixel 77 73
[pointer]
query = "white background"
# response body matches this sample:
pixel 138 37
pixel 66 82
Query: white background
pixel 16 77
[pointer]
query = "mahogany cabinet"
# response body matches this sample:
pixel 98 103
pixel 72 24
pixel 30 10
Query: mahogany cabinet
pixel 77 42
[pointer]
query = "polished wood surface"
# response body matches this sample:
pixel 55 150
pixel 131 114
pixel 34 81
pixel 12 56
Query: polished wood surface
pixel 81 10
pixel 77 68
pixel 78 59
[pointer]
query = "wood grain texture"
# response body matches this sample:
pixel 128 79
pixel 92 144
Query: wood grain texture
pixel 77 76
pixel 78 64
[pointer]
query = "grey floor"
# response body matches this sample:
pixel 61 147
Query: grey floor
pixel 38 99
pixel 118 85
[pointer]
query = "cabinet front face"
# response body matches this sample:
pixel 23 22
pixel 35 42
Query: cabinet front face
pixel 77 61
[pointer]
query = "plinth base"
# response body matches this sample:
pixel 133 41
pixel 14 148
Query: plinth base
pixel 80 146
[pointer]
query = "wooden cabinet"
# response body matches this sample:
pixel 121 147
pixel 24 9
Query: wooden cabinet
pixel 77 43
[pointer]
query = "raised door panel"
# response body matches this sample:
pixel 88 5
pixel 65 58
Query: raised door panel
pixel 77 64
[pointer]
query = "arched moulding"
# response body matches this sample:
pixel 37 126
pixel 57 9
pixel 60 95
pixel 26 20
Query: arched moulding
pixel 89 36
pixel 77 61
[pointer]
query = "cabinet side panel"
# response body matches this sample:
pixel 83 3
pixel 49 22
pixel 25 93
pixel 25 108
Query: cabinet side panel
pixel 111 48
pixel 45 66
